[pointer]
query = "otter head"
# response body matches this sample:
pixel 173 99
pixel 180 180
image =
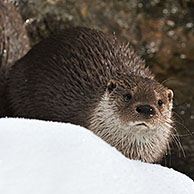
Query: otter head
pixel 134 115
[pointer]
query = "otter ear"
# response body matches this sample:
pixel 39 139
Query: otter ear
pixel 170 95
pixel 111 85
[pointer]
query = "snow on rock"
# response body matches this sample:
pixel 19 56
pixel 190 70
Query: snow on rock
pixel 38 157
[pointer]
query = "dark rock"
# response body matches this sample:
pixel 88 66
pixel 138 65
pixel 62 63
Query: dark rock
pixel 14 44
pixel 14 41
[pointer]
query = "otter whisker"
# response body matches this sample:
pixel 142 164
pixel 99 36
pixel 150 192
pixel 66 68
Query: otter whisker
pixel 169 79
pixel 189 132
pixel 179 116
pixel 185 135
pixel 178 144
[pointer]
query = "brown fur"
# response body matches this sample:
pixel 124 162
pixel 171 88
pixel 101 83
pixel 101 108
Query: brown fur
pixel 82 76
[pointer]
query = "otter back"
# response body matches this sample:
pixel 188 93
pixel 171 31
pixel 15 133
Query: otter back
pixel 63 77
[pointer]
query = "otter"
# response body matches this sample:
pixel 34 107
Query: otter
pixel 89 78
pixel 14 44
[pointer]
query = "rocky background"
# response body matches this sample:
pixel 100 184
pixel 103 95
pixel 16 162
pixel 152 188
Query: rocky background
pixel 162 31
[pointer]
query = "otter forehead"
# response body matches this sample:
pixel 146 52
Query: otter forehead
pixel 145 88
pixel 149 90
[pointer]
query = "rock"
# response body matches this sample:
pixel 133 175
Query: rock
pixel 14 44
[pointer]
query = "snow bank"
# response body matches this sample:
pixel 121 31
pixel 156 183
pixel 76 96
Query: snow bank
pixel 38 157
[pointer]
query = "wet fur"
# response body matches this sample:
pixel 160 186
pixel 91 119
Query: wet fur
pixel 80 76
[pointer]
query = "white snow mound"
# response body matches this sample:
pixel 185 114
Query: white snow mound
pixel 38 157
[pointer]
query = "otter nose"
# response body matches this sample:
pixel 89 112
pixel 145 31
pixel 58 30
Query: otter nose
pixel 145 110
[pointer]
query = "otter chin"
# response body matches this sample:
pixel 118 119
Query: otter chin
pixel 89 78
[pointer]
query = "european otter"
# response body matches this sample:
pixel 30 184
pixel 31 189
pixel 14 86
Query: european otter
pixel 89 78
pixel 14 43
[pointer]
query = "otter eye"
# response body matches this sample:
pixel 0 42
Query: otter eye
pixel 160 103
pixel 127 97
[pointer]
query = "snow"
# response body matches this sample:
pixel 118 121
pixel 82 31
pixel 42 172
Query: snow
pixel 38 157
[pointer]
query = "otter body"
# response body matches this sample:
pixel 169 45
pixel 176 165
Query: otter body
pixel 89 78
